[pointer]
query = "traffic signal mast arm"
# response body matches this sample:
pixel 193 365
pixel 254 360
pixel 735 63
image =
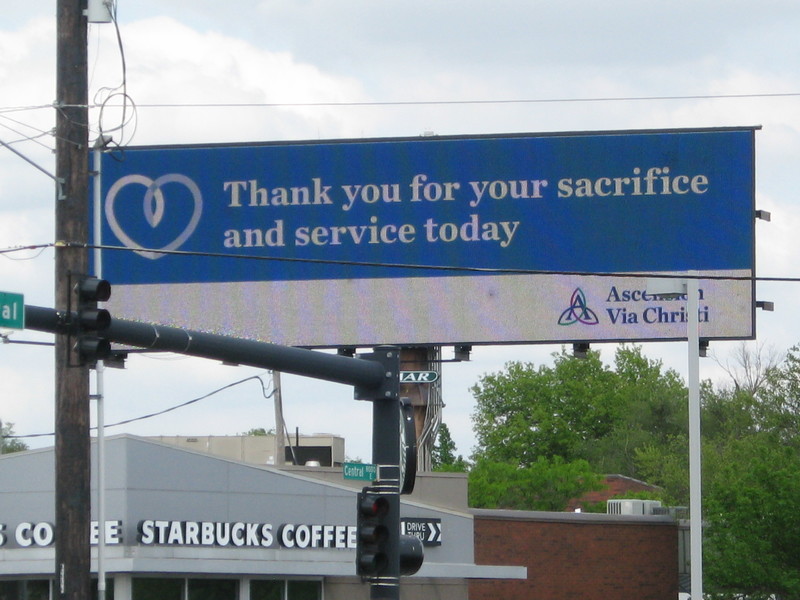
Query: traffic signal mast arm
pixel 367 375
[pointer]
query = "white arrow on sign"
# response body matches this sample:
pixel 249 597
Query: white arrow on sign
pixel 434 532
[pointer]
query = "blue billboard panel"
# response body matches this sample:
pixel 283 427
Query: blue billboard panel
pixel 330 224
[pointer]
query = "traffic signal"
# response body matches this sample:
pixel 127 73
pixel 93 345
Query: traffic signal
pixel 91 321
pixel 381 551
pixel 374 533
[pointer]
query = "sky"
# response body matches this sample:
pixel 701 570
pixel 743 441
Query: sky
pixel 315 69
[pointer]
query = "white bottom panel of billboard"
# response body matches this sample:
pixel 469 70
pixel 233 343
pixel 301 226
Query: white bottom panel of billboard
pixel 433 310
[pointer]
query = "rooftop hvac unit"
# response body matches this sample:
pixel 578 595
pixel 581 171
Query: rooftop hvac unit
pixel 632 507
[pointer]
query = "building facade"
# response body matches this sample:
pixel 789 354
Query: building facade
pixel 183 525
pixel 578 555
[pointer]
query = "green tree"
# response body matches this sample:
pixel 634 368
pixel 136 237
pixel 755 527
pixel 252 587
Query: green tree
pixel 259 432
pixel 544 432
pixel 752 508
pixel 8 442
pixel 651 413
pixel 576 418
pixel 443 455
pixel 778 406
pixel 666 465
pixel 751 480
pixel 546 484
pixel 526 412
pixel 580 409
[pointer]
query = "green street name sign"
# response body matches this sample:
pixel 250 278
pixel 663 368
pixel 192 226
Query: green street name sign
pixel 364 472
pixel 12 311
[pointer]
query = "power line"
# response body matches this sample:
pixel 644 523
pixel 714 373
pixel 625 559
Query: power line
pixel 480 270
pixel 264 391
pixel 379 103
pixel 7 109
pixel 6 252
pixel 451 102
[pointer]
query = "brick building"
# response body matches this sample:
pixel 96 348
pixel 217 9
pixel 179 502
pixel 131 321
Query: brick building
pixel 577 555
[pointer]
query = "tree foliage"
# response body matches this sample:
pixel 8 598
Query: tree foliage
pixel 443 456
pixel 751 504
pixel 259 432
pixel 751 479
pixel 559 428
pixel 579 409
pixel 9 443
pixel 543 432
pixel 526 412
pixel 542 485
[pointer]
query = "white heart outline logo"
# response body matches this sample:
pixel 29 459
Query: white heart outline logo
pixel 153 209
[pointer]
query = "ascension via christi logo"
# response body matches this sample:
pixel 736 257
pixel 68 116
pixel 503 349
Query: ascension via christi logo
pixel 578 311
pixel 153 208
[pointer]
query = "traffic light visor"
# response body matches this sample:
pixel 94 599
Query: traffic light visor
pixel 94 289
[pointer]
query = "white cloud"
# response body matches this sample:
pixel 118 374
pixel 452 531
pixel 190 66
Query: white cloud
pixel 172 64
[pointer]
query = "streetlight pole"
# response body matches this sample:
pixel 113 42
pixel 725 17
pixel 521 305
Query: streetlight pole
pixel 695 446
pixel 690 287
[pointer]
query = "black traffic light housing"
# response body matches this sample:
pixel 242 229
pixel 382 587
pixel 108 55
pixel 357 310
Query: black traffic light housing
pixel 90 321
pixel 374 533
pixel 379 543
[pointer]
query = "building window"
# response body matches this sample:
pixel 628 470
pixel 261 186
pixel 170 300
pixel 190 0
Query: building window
pixel 25 589
pixel 213 589
pixel 304 590
pixel 275 589
pixel 163 588
pixel 157 588
pixel 269 589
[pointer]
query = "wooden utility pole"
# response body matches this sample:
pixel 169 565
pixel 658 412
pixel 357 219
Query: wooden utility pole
pixel 72 497
pixel 280 441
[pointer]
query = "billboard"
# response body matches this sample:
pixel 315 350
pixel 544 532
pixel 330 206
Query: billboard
pixel 526 238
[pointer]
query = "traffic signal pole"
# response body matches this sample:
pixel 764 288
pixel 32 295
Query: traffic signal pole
pixel 384 575
pixel 383 555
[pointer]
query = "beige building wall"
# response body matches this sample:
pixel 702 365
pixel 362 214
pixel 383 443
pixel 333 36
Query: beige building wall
pixel 253 449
